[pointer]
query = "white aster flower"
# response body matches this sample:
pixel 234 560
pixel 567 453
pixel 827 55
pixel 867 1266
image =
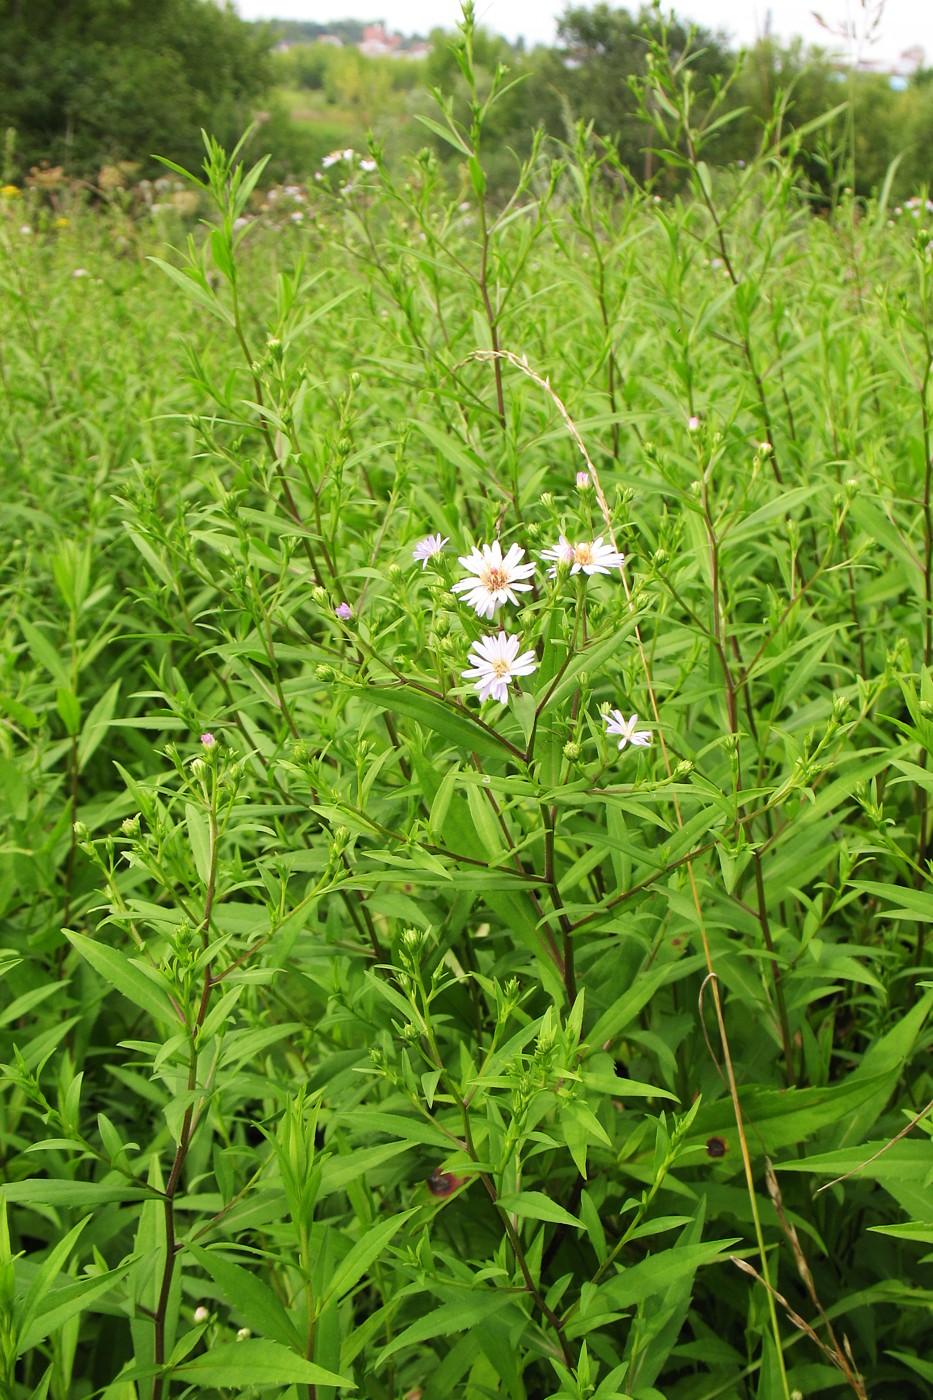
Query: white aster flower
pixel 496 578
pixel 495 663
pixel 587 556
pixel 616 723
pixel 428 548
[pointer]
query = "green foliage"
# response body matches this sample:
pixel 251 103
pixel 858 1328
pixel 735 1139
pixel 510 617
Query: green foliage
pixel 363 1037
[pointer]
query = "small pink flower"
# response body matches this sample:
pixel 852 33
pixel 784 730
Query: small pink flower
pixel 343 611
pixel 429 548
pixel 207 740
pixel 693 423
pixel 583 480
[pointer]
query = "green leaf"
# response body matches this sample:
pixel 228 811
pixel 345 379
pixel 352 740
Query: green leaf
pixel 191 284
pixel 97 724
pixel 150 992
pixel 246 1292
pixel 61 1304
pixel 474 1308
pixel 69 707
pixel 63 1194
pixel 46 1274
pixel 447 718
pixel 199 837
pixel 627 1006
pixel 363 1254
pixel 657 1273
pixel 536 1206
pixel 262 1364
pixel 451 137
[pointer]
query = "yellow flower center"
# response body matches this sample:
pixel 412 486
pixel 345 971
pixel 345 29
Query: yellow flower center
pixel 582 554
pixel 501 667
pixel 494 578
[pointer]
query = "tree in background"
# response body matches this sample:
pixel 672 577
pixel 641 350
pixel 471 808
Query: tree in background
pixel 86 81
pixel 604 50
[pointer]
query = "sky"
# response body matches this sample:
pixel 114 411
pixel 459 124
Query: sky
pixel 904 22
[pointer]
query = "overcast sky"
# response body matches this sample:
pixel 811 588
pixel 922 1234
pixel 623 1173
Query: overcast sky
pixel 904 22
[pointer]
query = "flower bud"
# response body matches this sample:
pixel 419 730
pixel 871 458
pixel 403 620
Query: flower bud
pixel 571 751
pixel 130 826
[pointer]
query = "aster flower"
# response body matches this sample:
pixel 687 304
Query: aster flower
pixel 693 423
pixel 583 480
pixel 616 723
pixel 343 611
pixel 429 548
pixel 561 553
pixel 587 556
pixel 496 662
pixel 496 578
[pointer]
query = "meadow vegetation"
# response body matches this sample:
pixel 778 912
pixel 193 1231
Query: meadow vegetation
pixel 467 712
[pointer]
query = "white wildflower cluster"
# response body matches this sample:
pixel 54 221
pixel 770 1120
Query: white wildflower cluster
pixel 348 158
pixel 494 579
pixel 914 207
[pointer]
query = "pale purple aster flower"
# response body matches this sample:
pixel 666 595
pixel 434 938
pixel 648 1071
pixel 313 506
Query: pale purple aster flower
pixel 429 548
pixel 587 556
pixel 343 611
pixel 496 662
pixel 616 723
pixel 693 423
pixel 207 740
pixel 561 553
pixel 583 480
pixel 496 578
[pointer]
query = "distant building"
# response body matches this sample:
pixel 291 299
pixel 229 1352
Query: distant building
pixel 376 43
